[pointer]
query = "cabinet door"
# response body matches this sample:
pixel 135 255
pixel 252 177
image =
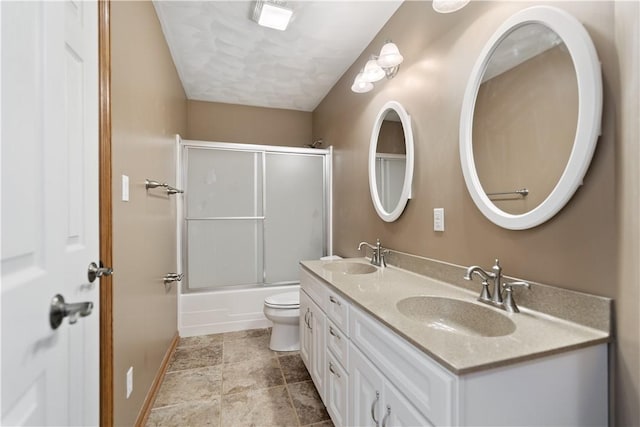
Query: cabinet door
pixel 317 320
pixel 337 391
pixel 305 331
pixel 398 411
pixel 365 387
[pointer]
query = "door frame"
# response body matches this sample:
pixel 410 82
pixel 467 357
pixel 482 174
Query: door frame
pixel 105 220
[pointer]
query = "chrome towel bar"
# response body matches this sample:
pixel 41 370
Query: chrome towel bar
pixel 150 183
pixel 522 191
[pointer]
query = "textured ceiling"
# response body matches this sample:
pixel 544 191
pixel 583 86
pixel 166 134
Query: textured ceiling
pixel 223 56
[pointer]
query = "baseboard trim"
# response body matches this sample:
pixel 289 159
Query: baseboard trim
pixel 157 381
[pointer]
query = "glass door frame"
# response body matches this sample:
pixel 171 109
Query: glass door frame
pixel 181 169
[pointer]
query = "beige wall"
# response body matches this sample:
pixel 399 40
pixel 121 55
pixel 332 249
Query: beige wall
pixel 148 109
pixel 520 139
pixel 579 248
pixel 627 104
pixel 211 121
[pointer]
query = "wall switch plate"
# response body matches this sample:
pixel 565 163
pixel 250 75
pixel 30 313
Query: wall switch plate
pixel 125 188
pixel 129 381
pixel 438 219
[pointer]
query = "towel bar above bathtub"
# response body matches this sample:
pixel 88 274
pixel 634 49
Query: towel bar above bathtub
pixel 149 183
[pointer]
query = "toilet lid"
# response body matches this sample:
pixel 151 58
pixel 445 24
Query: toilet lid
pixel 285 300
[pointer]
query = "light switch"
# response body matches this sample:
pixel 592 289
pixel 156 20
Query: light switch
pixel 125 188
pixel 438 219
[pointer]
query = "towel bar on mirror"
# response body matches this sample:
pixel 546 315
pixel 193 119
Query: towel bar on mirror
pixel 522 192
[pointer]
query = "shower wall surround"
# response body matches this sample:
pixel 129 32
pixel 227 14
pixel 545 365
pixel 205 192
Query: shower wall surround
pixel 590 246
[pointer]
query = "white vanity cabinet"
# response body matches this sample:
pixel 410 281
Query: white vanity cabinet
pixel 569 388
pixel 368 375
pixel 312 340
pixel 324 344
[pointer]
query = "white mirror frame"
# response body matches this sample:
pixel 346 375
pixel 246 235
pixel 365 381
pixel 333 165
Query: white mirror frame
pixel 405 119
pixel 587 67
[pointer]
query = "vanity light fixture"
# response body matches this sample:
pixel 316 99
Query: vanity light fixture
pixel 448 6
pixel 377 67
pixel 272 14
pixel 360 85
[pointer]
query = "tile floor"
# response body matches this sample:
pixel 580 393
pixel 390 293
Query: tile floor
pixel 233 379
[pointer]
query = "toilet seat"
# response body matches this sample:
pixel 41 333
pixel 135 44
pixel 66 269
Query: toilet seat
pixel 287 300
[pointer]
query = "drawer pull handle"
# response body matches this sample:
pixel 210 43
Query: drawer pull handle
pixel 373 407
pixel 310 319
pixel 386 416
pixel 306 318
pixel 332 370
pixel 334 300
pixel 331 331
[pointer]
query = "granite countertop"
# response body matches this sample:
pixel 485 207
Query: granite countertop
pixel 536 334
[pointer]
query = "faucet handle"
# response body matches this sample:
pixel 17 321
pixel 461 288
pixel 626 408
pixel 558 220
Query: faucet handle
pixel 509 285
pixel 381 258
pixel 485 295
pixel 510 303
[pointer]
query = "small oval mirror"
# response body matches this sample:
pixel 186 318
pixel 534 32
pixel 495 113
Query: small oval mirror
pixel 530 117
pixel 391 161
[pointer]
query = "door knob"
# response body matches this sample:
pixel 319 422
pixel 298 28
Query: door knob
pixel 94 271
pixel 60 309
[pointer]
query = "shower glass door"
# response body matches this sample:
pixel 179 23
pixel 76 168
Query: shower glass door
pixel 224 209
pixel 251 216
pixel 294 223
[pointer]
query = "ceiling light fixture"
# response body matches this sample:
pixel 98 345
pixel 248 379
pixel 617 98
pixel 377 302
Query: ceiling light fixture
pixel 377 67
pixel 272 14
pixel 448 6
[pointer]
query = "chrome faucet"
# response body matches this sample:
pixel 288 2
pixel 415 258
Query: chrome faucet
pixel 495 298
pixel 378 253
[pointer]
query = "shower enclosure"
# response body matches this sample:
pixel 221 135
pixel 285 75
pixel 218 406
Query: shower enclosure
pixel 251 213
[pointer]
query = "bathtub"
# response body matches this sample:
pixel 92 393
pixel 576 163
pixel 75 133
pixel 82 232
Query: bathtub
pixel 224 310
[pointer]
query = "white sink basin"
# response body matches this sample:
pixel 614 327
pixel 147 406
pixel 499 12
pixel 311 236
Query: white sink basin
pixel 456 316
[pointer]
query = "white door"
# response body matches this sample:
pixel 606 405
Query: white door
pixel 398 412
pixel 365 385
pixel 49 152
pixel 317 324
pixel 305 333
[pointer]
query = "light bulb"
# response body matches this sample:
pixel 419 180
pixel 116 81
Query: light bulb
pixel 360 85
pixel 390 56
pixel 372 72
pixel 448 6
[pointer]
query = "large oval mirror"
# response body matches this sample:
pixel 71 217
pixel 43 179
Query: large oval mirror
pixel 391 161
pixel 530 117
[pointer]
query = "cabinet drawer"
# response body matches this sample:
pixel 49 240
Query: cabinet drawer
pixel 337 392
pixel 337 309
pixel 338 344
pixel 314 288
pixel 425 384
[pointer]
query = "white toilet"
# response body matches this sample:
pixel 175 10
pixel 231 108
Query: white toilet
pixel 284 311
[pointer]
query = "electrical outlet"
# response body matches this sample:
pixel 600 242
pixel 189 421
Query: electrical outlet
pixel 129 381
pixel 125 188
pixel 438 219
